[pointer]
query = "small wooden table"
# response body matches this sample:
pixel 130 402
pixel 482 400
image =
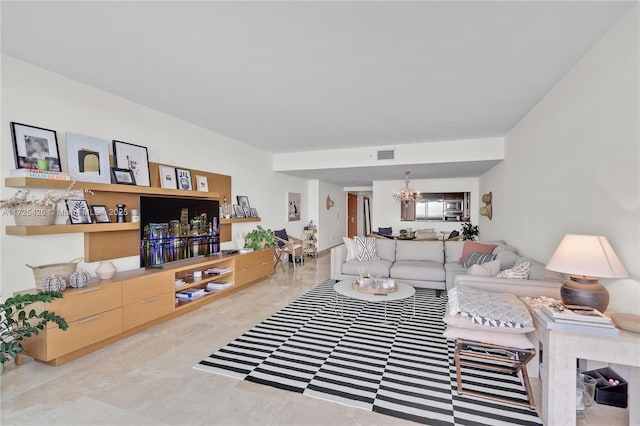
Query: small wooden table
pixel 345 288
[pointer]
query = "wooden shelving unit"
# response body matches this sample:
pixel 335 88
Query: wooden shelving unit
pixel 105 241
pixel 71 229
pixel 239 220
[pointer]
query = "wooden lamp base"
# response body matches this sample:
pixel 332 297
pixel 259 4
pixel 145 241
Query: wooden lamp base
pixel 581 290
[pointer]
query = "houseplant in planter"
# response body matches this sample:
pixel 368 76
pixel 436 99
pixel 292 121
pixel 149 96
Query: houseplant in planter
pixel 469 231
pixel 17 322
pixel 260 238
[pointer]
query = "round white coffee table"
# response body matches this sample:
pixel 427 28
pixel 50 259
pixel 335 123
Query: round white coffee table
pixel 345 289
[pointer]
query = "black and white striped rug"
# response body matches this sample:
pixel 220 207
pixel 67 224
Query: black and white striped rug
pixel 403 368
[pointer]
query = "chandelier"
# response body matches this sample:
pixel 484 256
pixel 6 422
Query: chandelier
pixel 406 194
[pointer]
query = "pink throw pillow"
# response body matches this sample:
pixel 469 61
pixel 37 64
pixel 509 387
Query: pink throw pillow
pixel 471 246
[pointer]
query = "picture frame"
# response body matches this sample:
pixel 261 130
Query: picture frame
pixel 293 206
pixel 254 212
pixel 135 158
pixel 35 147
pixel 183 178
pixel 100 214
pixel 237 209
pixel 122 176
pixel 78 212
pixel 246 211
pixel 88 158
pixel 243 201
pixel 202 183
pixel 168 177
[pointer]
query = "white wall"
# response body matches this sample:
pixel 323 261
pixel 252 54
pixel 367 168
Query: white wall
pixel 35 96
pixel 331 222
pixel 386 211
pixel 572 164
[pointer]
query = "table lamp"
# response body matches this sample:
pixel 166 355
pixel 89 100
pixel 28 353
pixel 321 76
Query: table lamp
pixel 586 258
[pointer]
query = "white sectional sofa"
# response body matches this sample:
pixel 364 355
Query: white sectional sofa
pixel 434 264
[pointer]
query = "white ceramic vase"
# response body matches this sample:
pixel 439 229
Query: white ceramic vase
pixel 105 270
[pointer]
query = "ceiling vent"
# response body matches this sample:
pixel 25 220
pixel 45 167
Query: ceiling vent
pixel 386 155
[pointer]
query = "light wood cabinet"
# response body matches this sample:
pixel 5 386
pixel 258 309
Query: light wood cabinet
pixel 253 266
pixel 94 313
pixel 146 298
pixel 108 310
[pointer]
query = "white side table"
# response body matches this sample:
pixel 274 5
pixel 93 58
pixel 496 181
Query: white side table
pixel 561 349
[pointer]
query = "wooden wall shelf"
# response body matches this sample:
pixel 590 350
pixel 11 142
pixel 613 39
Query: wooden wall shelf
pixel 19 182
pixel 105 241
pixel 71 229
pixel 239 220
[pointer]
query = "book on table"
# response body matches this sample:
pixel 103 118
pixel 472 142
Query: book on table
pixel 218 285
pixel 583 327
pixel 191 293
pixel 582 314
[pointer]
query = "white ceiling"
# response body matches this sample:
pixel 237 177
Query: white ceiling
pixel 299 76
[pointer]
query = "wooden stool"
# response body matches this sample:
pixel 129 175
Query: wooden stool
pixel 482 355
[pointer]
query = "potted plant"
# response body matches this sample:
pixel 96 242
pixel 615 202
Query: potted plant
pixel 28 209
pixel 17 323
pixel 260 238
pixel 469 231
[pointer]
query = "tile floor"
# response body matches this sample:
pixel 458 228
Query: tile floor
pixel 148 379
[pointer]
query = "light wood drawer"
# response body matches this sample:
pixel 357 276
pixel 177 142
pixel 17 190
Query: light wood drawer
pixel 148 286
pixel 148 309
pixel 83 302
pixel 83 332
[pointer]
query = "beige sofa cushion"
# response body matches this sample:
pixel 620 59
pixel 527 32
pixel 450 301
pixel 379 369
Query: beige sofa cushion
pixel 420 250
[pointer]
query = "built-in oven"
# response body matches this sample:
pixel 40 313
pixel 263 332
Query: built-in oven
pixel 453 206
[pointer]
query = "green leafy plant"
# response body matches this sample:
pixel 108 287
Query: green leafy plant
pixel 260 238
pixel 18 323
pixel 469 231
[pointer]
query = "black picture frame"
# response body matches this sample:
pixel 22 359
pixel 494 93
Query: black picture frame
pixel 135 158
pixel 183 178
pixel 100 214
pixel 237 209
pixel 122 176
pixel 254 212
pixel 35 147
pixel 78 212
pixel 243 201
pixel 246 211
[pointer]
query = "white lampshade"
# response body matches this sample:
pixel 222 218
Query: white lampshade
pixel 587 255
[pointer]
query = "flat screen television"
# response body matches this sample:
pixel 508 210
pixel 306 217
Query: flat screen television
pixel 177 228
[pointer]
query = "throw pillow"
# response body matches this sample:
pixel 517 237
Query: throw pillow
pixel 520 271
pixel 281 233
pixel 453 234
pixel 489 308
pixel 366 247
pixel 488 269
pixel 352 252
pixel 471 246
pixel 478 258
pixel 385 231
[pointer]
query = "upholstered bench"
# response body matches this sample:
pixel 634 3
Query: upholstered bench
pixel 490 333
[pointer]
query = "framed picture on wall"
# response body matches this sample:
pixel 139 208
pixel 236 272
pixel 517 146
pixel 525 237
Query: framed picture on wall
pixel 184 179
pixel 168 177
pixel 88 158
pixel 35 147
pixel 293 206
pixel 202 183
pixel 134 158
pixel 243 201
pixel 78 211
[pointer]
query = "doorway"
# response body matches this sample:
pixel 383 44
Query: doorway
pixel 352 215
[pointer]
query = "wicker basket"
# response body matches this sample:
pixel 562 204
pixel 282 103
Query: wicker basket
pixel 62 270
pixel 34 215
